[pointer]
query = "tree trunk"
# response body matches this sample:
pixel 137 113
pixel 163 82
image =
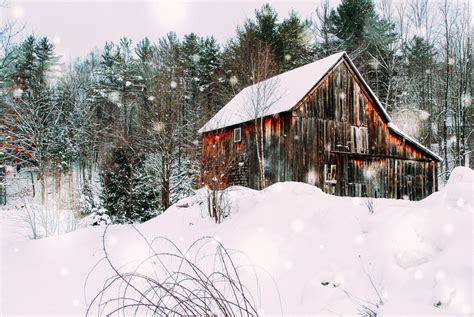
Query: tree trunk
pixel 33 191
pixel 165 184
pixel 260 153
pixel 130 192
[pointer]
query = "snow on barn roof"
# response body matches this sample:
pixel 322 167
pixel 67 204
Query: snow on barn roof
pixel 411 140
pixel 291 87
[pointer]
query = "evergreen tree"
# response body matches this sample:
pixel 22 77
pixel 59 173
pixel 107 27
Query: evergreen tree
pixel 367 37
pixel 289 41
pixel 297 45
pixel 145 194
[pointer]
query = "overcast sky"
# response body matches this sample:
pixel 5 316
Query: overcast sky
pixel 77 27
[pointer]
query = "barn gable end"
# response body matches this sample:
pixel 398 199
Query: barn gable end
pixel 338 126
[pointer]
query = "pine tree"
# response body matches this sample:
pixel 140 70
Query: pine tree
pixel 367 37
pixel 297 45
pixel 145 194
pixel 289 41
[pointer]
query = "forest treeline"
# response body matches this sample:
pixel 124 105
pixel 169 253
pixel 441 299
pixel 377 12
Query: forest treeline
pixel 132 110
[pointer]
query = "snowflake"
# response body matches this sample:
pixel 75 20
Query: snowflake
pixel 56 40
pixel 18 12
pixel 64 272
pixel 466 100
pixel 359 239
pixel 233 80
pixel 158 126
pixel 261 229
pixel 173 84
pixel 297 225
pixel 451 61
pixel 195 58
pixel 418 275
pixel 440 275
pixel 369 173
pixel 460 203
pixel 287 57
pixel 375 63
pixel 75 302
pixel 17 93
pixel 127 83
pixel 448 229
pixel 151 98
pixel 114 96
pixel 288 265
pixel 112 240
pixel 423 115
pixel 321 247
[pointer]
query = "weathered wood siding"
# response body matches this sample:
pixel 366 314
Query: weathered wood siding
pixel 336 127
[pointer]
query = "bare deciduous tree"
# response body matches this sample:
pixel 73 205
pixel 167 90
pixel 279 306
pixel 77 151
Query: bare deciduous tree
pixel 262 95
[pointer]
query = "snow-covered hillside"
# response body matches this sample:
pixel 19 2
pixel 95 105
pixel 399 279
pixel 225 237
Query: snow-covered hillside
pixel 311 253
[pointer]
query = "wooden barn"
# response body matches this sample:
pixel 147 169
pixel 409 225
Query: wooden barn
pixel 322 125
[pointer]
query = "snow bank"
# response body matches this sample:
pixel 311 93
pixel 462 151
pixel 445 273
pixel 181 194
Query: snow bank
pixel 313 253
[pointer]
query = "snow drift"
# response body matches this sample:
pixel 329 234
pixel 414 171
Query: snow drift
pixel 302 252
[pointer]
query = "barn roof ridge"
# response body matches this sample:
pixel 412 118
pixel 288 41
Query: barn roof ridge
pixel 296 86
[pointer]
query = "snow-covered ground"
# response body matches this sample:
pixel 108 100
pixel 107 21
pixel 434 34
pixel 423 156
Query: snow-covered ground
pixel 312 253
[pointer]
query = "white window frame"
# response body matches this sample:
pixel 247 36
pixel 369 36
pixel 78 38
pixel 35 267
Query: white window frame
pixel 237 132
pixel 328 170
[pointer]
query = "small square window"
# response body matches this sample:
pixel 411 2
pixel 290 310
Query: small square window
pixel 237 135
pixel 330 173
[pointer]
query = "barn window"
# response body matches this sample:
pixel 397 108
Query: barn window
pixel 330 173
pixel 237 135
pixel 359 139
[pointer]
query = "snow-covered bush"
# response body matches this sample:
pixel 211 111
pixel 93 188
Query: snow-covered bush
pixel 86 199
pixel 100 217
pixel 46 221
pixel 218 203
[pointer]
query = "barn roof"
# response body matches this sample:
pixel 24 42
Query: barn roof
pixel 291 87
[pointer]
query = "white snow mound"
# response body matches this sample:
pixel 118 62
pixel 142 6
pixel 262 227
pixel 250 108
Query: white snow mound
pixel 313 253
